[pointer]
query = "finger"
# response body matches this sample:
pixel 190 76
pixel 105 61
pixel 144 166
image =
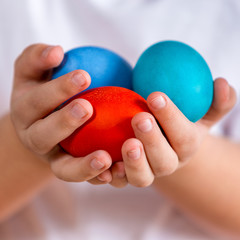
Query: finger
pixel 161 157
pixel 81 169
pixel 138 171
pixel 182 134
pixel 103 178
pixel 224 99
pixel 36 59
pixel 44 134
pixel 119 179
pixel 46 97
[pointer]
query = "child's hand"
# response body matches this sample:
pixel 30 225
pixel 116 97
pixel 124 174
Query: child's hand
pixel 153 154
pixel 34 97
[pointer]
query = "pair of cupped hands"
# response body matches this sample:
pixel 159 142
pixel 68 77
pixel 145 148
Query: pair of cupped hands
pixel 153 153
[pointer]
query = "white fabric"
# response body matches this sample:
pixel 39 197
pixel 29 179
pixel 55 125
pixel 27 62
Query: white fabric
pixel 82 211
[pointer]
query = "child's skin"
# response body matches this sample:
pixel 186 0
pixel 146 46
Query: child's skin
pixel 190 166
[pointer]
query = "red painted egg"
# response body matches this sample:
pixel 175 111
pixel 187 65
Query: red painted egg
pixel 110 124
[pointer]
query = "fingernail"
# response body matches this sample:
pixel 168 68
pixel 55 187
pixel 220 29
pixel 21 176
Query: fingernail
pixel 96 164
pixel 158 103
pixel 78 79
pixel 46 51
pixel 134 153
pixel 145 125
pixel 78 111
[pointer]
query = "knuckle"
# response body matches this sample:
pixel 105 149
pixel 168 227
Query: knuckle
pixel 36 145
pixel 31 47
pixel 166 168
pixel 59 173
pixel 67 178
pixel 25 53
pixel 27 50
pixel 134 165
pixel 60 176
pixel 82 176
pixel 187 145
pixel 59 170
pixel 68 122
pixel 149 143
pixel 170 116
pixel 67 87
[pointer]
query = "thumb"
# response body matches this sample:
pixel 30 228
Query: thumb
pixel 224 98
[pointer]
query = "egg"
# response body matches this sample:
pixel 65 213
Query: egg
pixel 110 124
pixel 179 71
pixel 105 67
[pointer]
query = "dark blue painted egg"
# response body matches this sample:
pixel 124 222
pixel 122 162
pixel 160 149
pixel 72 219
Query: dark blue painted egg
pixel 105 67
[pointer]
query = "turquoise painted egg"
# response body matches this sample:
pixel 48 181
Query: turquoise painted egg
pixel 179 71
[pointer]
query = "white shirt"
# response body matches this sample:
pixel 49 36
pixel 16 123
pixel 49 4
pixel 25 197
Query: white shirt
pixel 79 210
